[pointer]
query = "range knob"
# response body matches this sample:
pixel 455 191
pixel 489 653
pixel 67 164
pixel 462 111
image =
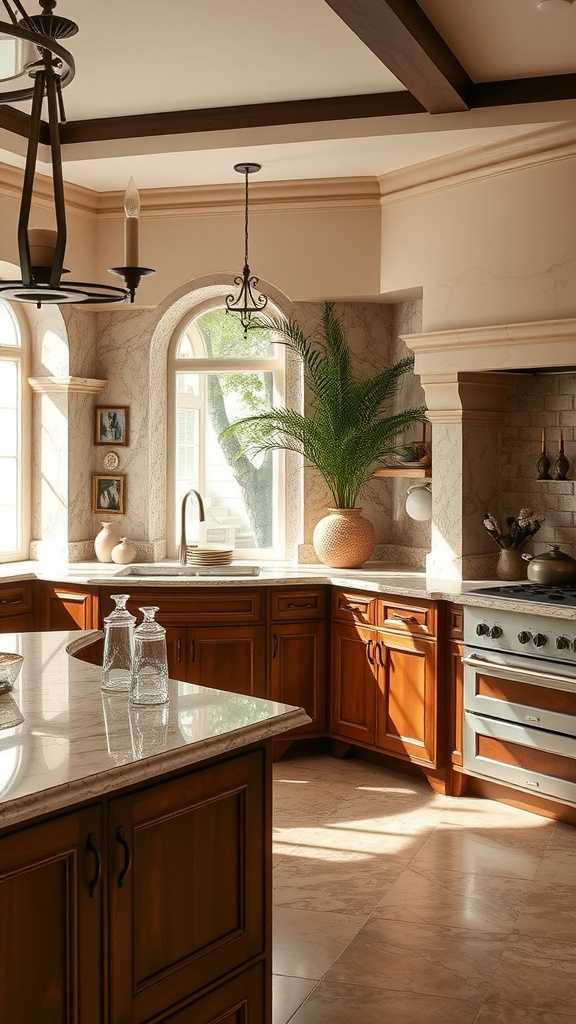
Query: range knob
pixel 496 632
pixel 562 643
pixel 482 629
pixel 540 640
pixel 524 637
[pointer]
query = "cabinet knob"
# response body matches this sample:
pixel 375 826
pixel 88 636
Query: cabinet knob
pixel 482 629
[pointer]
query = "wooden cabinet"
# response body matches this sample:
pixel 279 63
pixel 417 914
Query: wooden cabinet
pixel 232 658
pixel 298 669
pixel 51 923
pixel 353 606
pixel 297 603
pixel 187 886
pixel 354 683
pixel 67 607
pixel 406 703
pixel 456 701
pixel 16 607
pixel 239 1001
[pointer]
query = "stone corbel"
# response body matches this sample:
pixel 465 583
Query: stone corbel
pixel 67 385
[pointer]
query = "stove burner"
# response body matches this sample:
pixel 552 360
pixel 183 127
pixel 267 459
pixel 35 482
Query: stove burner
pixel 531 592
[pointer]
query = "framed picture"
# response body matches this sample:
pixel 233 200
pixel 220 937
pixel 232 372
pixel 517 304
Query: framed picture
pixel 109 493
pixel 111 424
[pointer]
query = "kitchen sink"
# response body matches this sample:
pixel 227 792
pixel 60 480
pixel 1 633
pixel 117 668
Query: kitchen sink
pixel 221 571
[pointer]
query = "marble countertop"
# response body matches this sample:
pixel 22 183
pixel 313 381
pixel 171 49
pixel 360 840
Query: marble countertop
pixel 379 578
pixel 75 742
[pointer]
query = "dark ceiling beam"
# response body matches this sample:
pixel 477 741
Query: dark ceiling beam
pixel 542 89
pixel 256 115
pixel 17 121
pixel 405 40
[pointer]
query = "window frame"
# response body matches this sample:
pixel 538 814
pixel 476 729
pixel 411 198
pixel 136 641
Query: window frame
pixel 276 365
pixel 21 355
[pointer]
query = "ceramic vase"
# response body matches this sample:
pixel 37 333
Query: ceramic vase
pixel 105 541
pixel 511 565
pixel 124 553
pixel 344 539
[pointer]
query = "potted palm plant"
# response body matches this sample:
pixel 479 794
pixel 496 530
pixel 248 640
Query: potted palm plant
pixel 347 431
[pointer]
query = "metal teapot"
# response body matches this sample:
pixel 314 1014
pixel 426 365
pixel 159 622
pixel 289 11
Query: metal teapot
pixel 553 569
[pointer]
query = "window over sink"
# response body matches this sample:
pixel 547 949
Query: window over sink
pixel 217 376
pixel 14 439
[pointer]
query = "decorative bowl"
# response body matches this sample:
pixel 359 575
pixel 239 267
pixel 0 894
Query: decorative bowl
pixel 10 667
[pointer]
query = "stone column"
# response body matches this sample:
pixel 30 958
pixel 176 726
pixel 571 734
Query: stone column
pixel 465 410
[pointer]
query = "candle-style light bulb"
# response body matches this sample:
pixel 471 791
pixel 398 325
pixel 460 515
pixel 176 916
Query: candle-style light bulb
pixel 131 224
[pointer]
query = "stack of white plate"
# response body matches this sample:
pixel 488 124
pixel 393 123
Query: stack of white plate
pixel 209 554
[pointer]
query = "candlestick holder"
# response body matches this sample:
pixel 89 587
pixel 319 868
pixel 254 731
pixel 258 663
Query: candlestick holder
pixel 132 277
pixel 562 463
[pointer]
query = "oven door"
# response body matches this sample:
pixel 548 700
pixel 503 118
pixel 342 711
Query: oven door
pixel 520 723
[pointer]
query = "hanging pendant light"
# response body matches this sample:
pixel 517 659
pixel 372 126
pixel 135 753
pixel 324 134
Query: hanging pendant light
pixel 42 250
pixel 247 302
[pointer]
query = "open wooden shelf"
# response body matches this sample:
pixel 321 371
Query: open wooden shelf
pixel 405 472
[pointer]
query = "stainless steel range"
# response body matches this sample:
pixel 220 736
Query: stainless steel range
pixel 520 693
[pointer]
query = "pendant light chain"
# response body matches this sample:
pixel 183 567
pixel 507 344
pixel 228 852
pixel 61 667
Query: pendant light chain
pixel 247 302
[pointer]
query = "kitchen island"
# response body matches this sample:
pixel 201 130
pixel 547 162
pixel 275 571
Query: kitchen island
pixel 135 847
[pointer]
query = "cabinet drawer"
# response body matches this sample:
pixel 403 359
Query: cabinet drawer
pixel 239 1001
pixel 297 604
pixel 519 696
pixel 530 759
pixel 188 606
pixel 15 599
pixel 17 624
pixel 404 616
pixel 351 606
pixel 455 621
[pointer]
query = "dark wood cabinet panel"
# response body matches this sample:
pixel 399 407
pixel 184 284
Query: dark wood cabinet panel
pixel 298 669
pixel 406 707
pixel 17 624
pixel 15 600
pixel 187 888
pixel 50 921
pixel 232 659
pixel 239 1001
pixel 67 607
pixel 191 605
pixel 354 683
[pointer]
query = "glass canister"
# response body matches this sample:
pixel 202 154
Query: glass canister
pixel 150 663
pixel 118 647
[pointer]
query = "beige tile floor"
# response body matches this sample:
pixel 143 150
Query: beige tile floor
pixel 394 904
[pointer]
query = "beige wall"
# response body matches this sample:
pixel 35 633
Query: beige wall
pixel 494 250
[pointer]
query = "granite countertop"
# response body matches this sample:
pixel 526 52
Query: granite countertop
pixel 75 742
pixel 379 578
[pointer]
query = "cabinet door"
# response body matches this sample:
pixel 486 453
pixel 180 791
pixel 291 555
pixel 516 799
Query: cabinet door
pixel 187 884
pixel 229 658
pixel 68 608
pixel 298 669
pixel 406 710
pixel 177 644
pixel 239 1001
pixel 353 691
pixel 50 921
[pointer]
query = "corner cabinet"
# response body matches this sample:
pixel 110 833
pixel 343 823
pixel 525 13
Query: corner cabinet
pixel 152 905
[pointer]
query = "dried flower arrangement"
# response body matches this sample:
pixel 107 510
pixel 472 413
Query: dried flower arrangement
pixel 519 529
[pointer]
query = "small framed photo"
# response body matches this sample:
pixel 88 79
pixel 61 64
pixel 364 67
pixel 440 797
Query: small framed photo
pixel 111 424
pixel 109 493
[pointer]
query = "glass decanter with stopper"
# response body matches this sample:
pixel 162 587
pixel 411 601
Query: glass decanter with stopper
pixel 150 663
pixel 118 647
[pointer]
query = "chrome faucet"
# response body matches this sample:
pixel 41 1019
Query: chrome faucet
pixel 202 518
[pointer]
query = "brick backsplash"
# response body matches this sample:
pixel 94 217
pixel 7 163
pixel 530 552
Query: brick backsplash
pixel 540 401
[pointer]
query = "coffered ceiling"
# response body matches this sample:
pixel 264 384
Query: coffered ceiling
pixel 174 93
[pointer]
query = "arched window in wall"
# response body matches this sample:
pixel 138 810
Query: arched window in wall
pixel 216 377
pixel 14 439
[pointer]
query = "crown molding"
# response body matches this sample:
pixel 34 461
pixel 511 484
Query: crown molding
pixel 78 198
pixel 547 145
pixel 67 385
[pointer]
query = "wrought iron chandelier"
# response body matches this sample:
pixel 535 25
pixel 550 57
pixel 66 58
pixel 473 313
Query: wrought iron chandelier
pixel 45 68
pixel 246 303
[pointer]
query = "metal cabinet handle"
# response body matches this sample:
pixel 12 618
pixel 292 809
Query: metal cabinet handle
pixel 92 847
pixel 193 650
pixel 11 600
pixel 404 619
pixel 179 649
pixel 275 646
pixel 379 647
pixel 300 604
pixel 369 652
pixel 121 839
pixel 347 606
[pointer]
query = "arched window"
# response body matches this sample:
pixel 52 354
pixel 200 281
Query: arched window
pixel 216 377
pixel 14 446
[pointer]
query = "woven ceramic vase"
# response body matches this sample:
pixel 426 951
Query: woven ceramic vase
pixel 344 539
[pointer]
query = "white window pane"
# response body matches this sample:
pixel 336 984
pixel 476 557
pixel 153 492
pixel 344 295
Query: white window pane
pixel 8 528
pixel 184 349
pixel 9 432
pixel 223 337
pixel 8 481
pixel 8 384
pixel 188 384
pixel 9 334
